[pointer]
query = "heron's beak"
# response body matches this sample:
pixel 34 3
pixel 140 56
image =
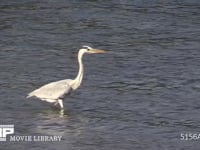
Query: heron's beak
pixel 96 51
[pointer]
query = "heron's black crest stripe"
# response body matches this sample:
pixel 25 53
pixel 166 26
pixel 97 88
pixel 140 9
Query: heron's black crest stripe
pixel 86 47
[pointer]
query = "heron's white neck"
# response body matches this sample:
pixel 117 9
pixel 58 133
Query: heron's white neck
pixel 77 81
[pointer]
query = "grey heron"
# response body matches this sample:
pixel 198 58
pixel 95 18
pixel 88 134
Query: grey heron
pixel 55 92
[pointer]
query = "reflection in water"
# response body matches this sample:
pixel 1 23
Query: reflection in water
pixel 56 122
pixel 61 112
pixel 50 122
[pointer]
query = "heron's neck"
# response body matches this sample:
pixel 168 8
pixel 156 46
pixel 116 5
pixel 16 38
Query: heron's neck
pixel 79 77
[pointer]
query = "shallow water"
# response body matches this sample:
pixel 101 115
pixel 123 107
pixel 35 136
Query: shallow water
pixel 142 94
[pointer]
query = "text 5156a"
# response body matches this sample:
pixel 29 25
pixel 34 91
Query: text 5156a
pixel 190 136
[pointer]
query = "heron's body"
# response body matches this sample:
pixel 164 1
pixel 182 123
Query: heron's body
pixel 54 92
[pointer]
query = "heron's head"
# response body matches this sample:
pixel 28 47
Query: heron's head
pixel 91 50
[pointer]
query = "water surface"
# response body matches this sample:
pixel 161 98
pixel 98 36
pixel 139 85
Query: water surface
pixel 141 95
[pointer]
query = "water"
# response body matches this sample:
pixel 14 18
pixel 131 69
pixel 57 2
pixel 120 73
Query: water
pixel 142 94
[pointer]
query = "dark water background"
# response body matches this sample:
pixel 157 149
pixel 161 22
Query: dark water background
pixel 141 95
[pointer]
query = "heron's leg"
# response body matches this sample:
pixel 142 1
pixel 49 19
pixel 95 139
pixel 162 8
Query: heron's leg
pixel 60 101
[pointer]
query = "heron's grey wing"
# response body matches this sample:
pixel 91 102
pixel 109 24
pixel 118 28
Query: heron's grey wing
pixel 67 92
pixel 52 90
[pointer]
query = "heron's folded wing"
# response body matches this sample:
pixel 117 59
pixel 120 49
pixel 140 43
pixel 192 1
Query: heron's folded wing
pixel 52 90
